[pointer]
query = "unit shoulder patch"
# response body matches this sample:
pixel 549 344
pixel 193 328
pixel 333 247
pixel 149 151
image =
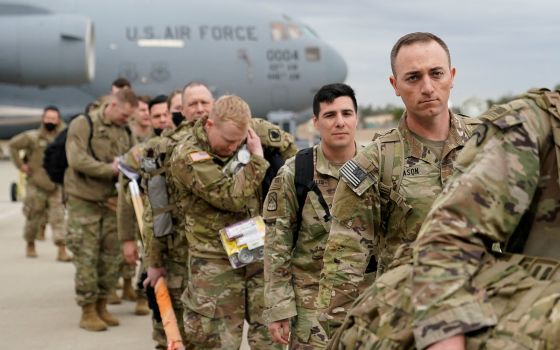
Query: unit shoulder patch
pixel 272 204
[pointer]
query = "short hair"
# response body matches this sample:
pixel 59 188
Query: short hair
pixel 126 96
pixel 171 95
pixel 51 108
pixel 157 100
pixel 328 93
pixel 413 38
pixel 231 108
pixel 144 98
pixel 121 82
pixel 196 83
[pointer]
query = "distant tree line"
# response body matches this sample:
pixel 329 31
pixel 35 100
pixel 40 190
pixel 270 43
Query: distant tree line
pixel 369 110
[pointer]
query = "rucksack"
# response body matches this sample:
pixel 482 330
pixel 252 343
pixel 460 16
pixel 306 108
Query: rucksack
pixel 303 181
pixel 55 161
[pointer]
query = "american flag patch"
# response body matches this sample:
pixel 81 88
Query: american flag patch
pixel 352 173
pixel 199 156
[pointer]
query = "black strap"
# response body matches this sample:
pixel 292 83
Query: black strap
pixel 90 122
pixel 304 183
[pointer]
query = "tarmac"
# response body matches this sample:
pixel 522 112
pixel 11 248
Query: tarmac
pixel 37 305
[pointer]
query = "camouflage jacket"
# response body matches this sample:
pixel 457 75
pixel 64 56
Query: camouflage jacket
pixel 173 246
pixel 88 177
pixel 506 187
pixel 33 144
pixel 292 268
pixel 365 227
pixel 209 199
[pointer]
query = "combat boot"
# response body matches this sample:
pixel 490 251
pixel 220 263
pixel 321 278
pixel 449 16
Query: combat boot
pixel 62 255
pixel 113 298
pixel 128 292
pixel 30 250
pixel 142 307
pixel 104 314
pixel 90 320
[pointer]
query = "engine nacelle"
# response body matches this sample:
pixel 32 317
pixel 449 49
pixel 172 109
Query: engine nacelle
pixel 46 49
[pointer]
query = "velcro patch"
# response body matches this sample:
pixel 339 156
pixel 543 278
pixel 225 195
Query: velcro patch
pixel 199 156
pixel 272 204
pixel 274 135
pixel 353 173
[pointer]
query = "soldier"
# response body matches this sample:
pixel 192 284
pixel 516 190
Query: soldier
pixel 119 84
pixel 219 298
pixel 141 128
pixel 175 101
pixel 293 261
pixel 92 147
pixel 166 254
pixel 130 233
pixel 388 188
pixel 459 293
pixel 141 123
pixel 42 195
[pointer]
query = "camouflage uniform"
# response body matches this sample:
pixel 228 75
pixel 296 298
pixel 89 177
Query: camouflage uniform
pixel 169 251
pixel 371 219
pixel 219 298
pixel 291 268
pixel 89 183
pixel 506 189
pixel 42 195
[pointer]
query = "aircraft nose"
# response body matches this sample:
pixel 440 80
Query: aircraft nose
pixel 337 69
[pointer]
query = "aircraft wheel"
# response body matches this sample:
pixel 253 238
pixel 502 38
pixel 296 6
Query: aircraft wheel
pixel 13 192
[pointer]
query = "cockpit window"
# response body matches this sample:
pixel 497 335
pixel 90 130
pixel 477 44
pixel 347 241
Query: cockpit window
pixel 310 31
pixel 285 31
pixel 293 31
pixel 278 31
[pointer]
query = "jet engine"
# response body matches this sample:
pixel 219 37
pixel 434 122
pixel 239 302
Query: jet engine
pixel 46 49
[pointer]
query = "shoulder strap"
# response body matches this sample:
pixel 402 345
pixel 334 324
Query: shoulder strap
pixel 391 146
pixel 90 122
pixel 552 99
pixel 303 181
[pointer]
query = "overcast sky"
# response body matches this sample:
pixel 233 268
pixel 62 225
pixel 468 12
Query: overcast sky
pixel 498 47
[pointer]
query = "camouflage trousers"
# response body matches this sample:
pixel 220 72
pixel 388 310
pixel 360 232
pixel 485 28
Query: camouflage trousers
pixel 218 299
pixel 38 204
pixel 527 311
pixel 176 279
pixel 126 270
pixel 92 238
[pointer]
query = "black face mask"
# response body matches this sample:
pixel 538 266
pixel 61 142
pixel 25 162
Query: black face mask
pixel 177 118
pixel 158 131
pixel 50 126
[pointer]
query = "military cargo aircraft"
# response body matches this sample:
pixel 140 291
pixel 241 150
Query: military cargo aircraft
pixel 67 53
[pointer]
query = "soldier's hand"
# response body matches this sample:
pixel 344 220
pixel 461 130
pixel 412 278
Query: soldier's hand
pixel 280 331
pixel 154 273
pixel 254 145
pixel 454 343
pixel 130 252
pixel 115 166
pixel 25 169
